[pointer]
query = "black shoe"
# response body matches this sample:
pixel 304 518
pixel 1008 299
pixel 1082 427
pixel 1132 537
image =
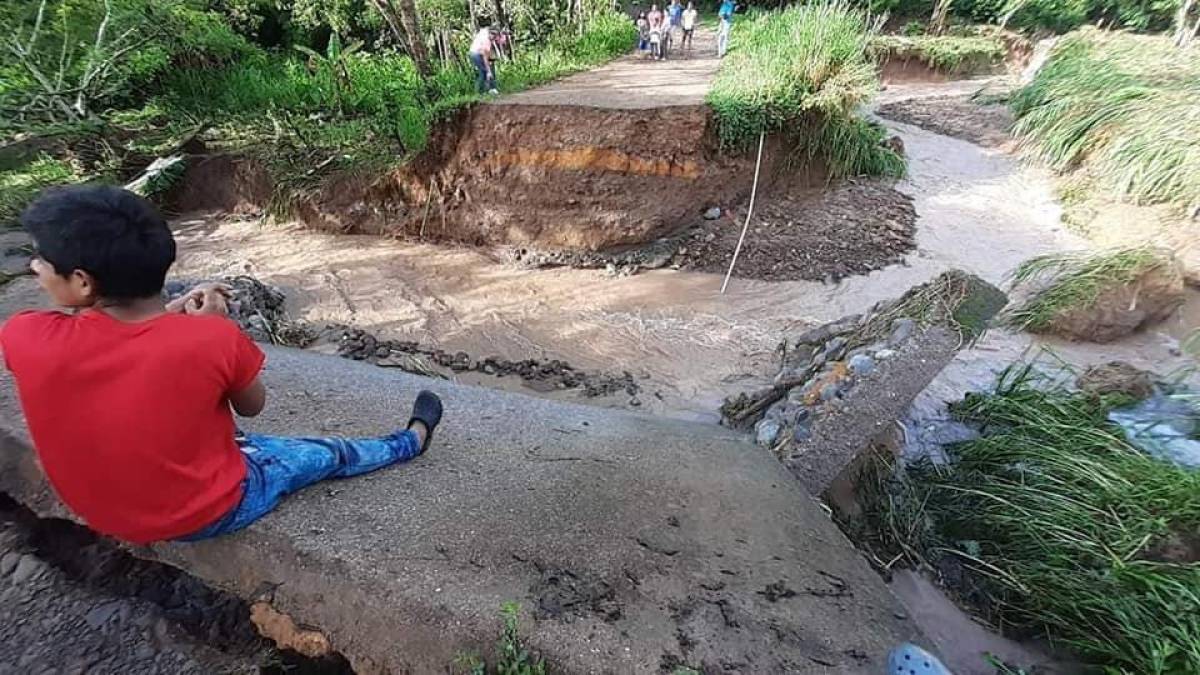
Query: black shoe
pixel 427 410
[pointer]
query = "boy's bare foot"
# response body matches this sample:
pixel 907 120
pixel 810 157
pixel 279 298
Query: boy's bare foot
pixel 426 415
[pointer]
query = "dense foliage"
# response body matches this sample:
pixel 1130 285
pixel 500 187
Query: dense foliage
pixel 1121 110
pixel 802 72
pixel 103 86
pixel 1054 15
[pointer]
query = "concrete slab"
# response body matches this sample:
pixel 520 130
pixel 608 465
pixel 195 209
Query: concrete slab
pixel 633 544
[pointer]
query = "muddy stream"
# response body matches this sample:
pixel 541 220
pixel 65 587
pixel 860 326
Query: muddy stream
pixel 687 345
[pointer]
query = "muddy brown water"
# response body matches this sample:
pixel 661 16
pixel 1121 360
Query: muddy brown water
pixel 978 209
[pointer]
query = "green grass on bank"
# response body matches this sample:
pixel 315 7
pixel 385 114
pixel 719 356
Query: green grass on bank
pixel 1075 281
pixel 1121 112
pixel 955 54
pixel 801 73
pixel 1063 527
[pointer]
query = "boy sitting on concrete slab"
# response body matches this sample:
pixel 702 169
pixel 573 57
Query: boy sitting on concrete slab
pixel 128 398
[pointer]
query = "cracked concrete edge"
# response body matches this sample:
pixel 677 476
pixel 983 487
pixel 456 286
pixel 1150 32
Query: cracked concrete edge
pixel 842 433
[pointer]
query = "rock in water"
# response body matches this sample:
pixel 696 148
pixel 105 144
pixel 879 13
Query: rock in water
pixel 713 213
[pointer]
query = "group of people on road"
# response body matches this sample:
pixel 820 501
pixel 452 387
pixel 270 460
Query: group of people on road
pixel 658 28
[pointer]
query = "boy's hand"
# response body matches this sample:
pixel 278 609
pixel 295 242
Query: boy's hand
pixel 207 298
pixel 207 301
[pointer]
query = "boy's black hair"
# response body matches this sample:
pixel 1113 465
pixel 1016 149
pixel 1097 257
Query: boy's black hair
pixel 117 237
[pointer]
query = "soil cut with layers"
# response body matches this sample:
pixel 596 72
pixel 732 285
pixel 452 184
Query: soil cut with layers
pixel 546 177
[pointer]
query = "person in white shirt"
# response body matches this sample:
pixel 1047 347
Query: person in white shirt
pixel 482 48
pixel 690 16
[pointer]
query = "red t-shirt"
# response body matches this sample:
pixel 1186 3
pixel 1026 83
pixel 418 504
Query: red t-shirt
pixel 131 421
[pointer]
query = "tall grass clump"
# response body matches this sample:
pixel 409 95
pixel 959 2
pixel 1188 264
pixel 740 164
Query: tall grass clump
pixel 1070 281
pixel 1122 109
pixel 1064 528
pixel 802 72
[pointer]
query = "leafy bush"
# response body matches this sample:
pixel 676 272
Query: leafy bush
pixel 55 41
pixel 802 72
pixel 1033 15
pixel 1117 107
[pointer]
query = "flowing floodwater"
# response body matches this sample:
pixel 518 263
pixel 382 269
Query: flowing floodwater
pixel 979 210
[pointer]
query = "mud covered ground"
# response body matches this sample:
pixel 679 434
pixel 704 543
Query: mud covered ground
pixel 957 116
pixel 853 227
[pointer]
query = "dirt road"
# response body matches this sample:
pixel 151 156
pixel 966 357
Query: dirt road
pixel 635 81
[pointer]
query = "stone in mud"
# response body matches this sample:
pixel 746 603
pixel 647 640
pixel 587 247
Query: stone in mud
pixel 902 329
pixel 8 563
pixel 832 390
pixel 766 432
pixel 834 349
pixel 712 213
pixel 821 334
pixel 884 354
pixel 28 568
pixel 861 364
pixel 1116 377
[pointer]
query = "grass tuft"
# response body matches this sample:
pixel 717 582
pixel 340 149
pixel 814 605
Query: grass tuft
pixel 1059 523
pixel 1075 281
pixel 1123 108
pixel 802 72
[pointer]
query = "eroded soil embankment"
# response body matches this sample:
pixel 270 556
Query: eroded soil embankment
pixel 550 177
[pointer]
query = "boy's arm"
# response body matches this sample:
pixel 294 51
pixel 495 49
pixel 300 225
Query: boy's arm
pixel 250 401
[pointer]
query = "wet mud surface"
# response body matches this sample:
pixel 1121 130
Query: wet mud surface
pixel 958 116
pixel 853 227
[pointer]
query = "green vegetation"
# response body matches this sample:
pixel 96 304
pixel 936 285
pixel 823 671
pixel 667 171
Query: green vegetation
pixel 1119 110
pixel 512 657
pixel 1075 281
pixel 1040 15
pixel 1063 527
pixel 801 73
pixel 949 53
pixel 18 186
pixel 295 78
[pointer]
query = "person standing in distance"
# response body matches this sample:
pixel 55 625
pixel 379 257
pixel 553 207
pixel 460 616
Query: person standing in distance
pixel 482 49
pixel 728 7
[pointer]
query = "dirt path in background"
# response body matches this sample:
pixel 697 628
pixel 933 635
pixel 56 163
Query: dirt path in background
pixel 635 81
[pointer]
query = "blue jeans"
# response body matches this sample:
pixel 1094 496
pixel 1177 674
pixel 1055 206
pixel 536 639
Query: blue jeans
pixel 485 78
pixel 277 467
